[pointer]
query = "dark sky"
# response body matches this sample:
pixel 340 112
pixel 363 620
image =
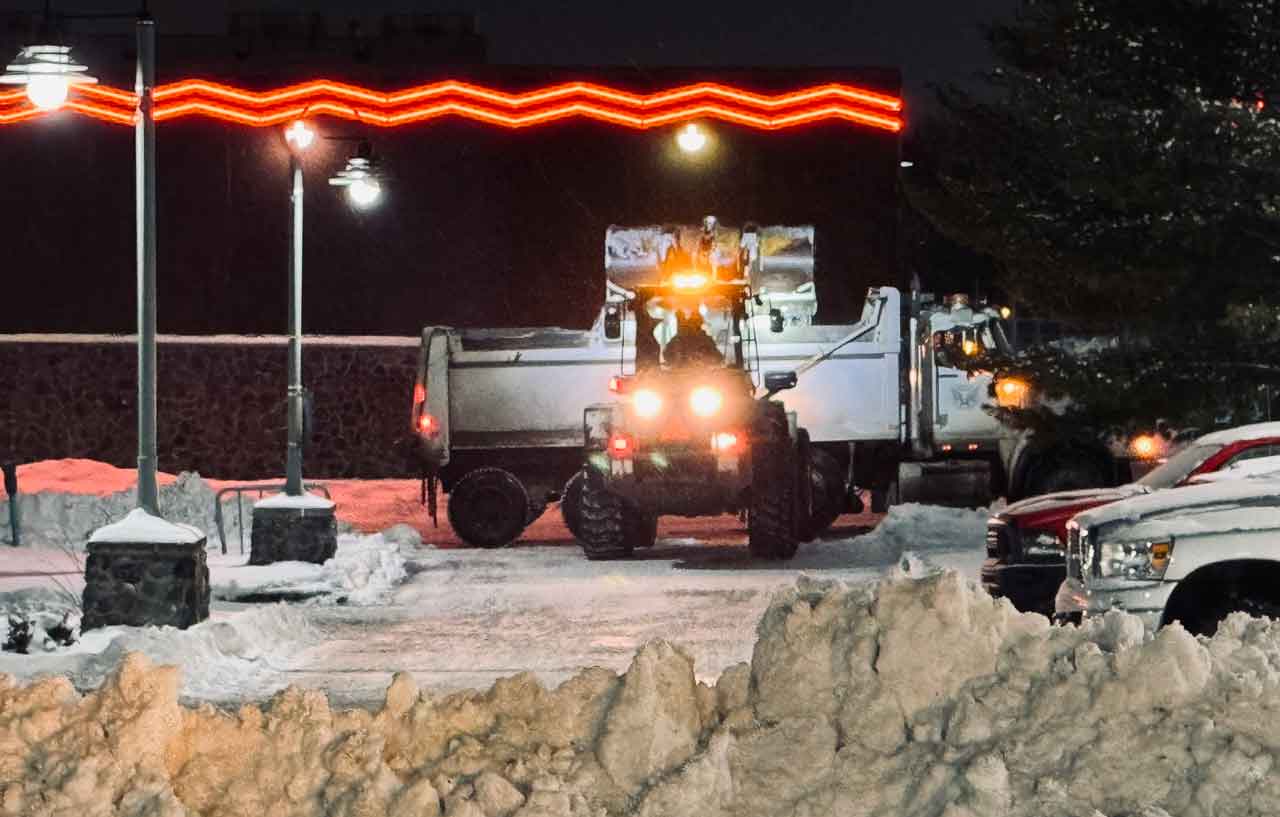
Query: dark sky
pixel 223 225
pixel 931 40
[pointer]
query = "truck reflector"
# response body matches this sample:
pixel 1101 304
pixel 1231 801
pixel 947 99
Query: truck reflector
pixel 428 425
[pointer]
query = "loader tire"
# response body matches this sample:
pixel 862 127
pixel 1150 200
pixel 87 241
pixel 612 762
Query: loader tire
pixel 605 532
pixel 642 531
pixel 571 505
pixel 802 518
pixel 771 532
pixel 488 508
pixel 829 495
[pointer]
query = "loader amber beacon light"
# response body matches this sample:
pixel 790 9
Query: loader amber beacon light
pixel 451 98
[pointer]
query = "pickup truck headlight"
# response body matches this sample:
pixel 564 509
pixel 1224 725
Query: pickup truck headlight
pixel 1134 560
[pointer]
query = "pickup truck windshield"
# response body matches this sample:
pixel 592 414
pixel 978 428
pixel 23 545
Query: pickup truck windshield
pixel 1179 466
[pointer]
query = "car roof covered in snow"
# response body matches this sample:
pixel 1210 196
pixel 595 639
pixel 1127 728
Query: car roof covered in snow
pixel 1259 492
pixel 1256 431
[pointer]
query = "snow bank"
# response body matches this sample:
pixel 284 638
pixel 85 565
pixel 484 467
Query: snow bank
pixel 222 660
pixel 911 531
pixel 365 570
pixel 59 518
pixel 910 697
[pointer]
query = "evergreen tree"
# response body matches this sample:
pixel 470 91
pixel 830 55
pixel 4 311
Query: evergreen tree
pixel 1122 167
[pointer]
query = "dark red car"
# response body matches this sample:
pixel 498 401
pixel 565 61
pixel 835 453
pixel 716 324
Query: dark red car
pixel 1026 541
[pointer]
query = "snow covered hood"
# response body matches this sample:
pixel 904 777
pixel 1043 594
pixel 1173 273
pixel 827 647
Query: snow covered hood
pixel 1066 499
pixel 1255 495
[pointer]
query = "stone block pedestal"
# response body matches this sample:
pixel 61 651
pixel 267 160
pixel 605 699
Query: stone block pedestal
pixel 145 583
pixel 282 533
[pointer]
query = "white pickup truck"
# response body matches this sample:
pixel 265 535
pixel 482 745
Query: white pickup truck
pixel 498 413
pixel 1192 555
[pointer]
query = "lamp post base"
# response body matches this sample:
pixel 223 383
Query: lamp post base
pixel 143 571
pixel 293 529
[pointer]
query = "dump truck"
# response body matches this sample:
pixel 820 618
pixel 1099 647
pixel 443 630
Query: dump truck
pixel 892 412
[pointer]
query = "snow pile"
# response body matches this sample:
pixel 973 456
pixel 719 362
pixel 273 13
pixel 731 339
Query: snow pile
pixel 906 536
pixel 365 570
pixel 925 527
pixel 50 616
pixel 68 519
pixel 910 697
pixel 224 660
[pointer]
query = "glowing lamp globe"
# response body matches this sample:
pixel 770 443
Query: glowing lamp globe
pixel 364 192
pixel 299 136
pixel 47 72
pixel 360 178
pixel 691 138
pixel 48 92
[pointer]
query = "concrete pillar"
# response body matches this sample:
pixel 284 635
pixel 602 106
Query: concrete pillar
pixel 293 529
pixel 145 571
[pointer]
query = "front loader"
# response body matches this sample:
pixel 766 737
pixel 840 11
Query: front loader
pixel 687 434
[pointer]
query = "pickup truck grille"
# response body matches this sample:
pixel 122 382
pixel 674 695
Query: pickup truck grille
pixel 1000 541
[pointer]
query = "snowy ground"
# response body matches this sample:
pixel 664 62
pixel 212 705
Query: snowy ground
pixel 458 618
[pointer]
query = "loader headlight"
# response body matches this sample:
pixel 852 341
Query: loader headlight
pixel 1134 560
pixel 647 402
pixel 705 401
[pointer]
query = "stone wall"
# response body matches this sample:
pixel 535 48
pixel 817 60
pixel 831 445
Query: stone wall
pixel 221 403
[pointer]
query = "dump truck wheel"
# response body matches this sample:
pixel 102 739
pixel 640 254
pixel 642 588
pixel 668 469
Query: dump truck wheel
pixel 605 532
pixel 828 490
pixel 571 505
pixel 771 530
pixel 488 508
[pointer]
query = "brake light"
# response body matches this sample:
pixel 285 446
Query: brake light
pixel 419 394
pixel 619 384
pixel 428 425
pixel 725 442
pixel 622 446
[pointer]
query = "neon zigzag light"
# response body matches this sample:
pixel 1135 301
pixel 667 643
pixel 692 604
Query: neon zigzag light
pixel 451 98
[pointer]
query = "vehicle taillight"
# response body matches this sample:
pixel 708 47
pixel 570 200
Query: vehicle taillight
pixel 622 446
pixel 619 384
pixel 428 425
pixel 725 442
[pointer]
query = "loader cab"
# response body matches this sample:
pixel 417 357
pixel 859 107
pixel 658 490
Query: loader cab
pixel 691 323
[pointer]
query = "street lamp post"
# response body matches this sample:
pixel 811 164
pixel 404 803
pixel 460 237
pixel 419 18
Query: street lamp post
pixel 296 525
pixel 177 593
pixel 48 72
pixel 298 137
pixel 145 195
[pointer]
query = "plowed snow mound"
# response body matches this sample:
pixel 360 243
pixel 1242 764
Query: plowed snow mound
pixel 911 697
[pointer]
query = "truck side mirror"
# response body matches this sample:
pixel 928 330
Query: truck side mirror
pixel 612 322
pixel 776 323
pixel 775 382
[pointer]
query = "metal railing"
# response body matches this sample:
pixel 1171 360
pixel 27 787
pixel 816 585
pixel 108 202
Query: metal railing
pixel 239 490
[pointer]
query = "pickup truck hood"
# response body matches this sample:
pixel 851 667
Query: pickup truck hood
pixel 1247 494
pixel 1062 500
